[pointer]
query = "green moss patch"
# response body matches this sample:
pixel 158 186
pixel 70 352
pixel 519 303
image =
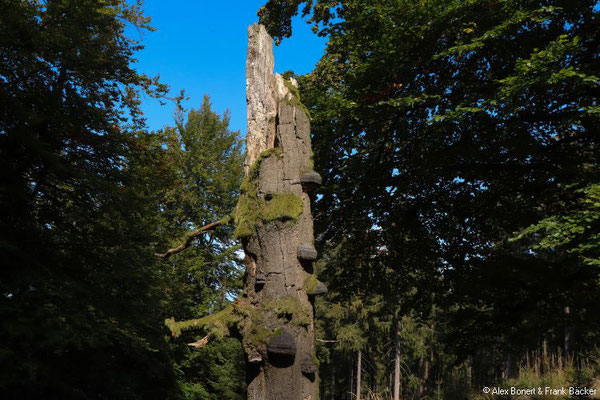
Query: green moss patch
pixel 217 324
pixel 257 336
pixel 257 325
pixel 289 307
pixel 285 206
pixel 295 101
pixel 310 283
pixel 315 360
pixel 252 210
pixel 256 328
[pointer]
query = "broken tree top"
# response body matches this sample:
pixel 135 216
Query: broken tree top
pixel 264 90
pixel 260 95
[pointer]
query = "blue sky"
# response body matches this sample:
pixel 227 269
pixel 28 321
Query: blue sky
pixel 200 46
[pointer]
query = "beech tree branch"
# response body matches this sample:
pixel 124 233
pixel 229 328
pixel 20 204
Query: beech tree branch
pixel 190 238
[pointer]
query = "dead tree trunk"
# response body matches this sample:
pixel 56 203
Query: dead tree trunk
pixel 274 221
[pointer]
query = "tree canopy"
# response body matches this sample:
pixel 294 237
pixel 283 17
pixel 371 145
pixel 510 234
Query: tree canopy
pixel 459 144
pixel 88 196
pixel 458 224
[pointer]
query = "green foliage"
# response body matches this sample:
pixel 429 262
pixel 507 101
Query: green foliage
pixel 315 360
pixel 204 170
pixel 310 283
pixel 79 285
pixel 214 372
pixel 575 231
pixel 206 156
pixel 441 128
pixel 253 210
pixel 295 99
pixel 351 337
pixel 554 376
pixel 89 196
pixel 353 321
pixel 276 15
pixel 415 337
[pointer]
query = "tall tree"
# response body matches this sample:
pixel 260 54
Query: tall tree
pixel 204 169
pixel 450 125
pixel 78 291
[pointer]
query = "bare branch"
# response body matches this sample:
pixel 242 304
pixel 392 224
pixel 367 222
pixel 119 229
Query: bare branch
pixel 191 236
pixel 200 343
pixel 327 341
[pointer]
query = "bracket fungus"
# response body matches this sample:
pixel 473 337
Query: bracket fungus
pixel 310 181
pixel 307 252
pixel 319 289
pixel 314 287
pixel 282 344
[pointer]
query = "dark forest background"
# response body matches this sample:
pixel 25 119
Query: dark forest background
pixel 459 217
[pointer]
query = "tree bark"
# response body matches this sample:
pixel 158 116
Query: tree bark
pixel 351 382
pixel 358 374
pixel 279 338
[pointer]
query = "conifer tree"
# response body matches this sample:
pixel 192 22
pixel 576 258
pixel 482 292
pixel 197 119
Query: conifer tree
pixel 274 315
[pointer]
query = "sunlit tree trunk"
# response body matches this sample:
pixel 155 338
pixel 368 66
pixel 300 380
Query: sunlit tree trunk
pixel 397 371
pixel 358 374
pixel 274 221
pixel 351 383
